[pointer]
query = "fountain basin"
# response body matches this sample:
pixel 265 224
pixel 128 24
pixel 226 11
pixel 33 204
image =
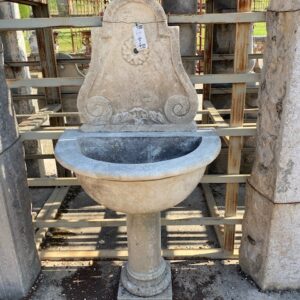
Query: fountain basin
pixel 138 172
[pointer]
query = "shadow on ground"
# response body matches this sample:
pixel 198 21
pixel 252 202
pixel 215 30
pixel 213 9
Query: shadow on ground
pixel 192 280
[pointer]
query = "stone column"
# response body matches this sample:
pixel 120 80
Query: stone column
pixel 187 31
pixel 270 251
pixel 146 274
pixel 19 262
pixel 15 50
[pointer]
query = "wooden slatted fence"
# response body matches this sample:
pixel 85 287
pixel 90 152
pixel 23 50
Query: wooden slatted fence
pixel 33 129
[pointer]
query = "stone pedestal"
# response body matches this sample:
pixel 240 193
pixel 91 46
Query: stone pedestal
pixel 146 274
pixel 271 242
pixel 271 230
pixel 19 263
pixel 138 151
pixel 15 50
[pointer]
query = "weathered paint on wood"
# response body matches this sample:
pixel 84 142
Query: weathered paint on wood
pixel 49 211
pixel 196 79
pixel 239 91
pixel 67 61
pixel 213 210
pixel 63 22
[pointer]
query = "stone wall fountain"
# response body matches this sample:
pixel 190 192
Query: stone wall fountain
pixel 138 150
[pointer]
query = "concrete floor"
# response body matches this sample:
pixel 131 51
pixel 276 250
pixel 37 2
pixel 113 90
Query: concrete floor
pixel 192 280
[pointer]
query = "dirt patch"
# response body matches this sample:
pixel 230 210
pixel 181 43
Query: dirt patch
pixel 97 282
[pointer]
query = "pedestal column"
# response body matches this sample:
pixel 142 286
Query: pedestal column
pixel 19 262
pixel 271 229
pixel 146 274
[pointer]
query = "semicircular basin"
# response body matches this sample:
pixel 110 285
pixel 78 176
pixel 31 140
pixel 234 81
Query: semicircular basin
pixel 138 172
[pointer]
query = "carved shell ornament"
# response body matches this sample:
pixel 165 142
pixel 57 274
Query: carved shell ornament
pixel 132 55
pixel 99 109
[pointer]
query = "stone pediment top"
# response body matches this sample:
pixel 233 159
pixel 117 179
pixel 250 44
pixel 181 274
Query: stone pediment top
pixel 122 11
pixel 136 80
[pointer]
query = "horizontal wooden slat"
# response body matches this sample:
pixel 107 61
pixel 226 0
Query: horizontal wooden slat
pixel 70 181
pixel 29 2
pixel 74 114
pixel 75 60
pixel 59 22
pixel 225 78
pixel 55 134
pixel 199 126
pixel 74 81
pixel 219 18
pixel 123 254
pixel 49 210
pixel 64 22
pixel 45 82
pixel 35 121
pixel 80 223
pixel 214 91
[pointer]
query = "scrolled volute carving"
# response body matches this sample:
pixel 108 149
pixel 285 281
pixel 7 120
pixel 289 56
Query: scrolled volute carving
pixel 98 110
pixel 178 109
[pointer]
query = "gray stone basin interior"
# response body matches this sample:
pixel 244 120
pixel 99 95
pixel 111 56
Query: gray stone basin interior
pixel 137 150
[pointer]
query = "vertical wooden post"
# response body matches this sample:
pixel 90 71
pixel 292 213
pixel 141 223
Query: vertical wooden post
pixel 208 50
pixel 236 120
pixel 209 28
pixel 49 68
pixel 47 53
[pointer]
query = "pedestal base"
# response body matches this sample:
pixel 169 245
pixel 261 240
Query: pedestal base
pixel 123 294
pixel 271 241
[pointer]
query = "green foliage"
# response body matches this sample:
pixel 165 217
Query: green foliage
pixel 25 11
pixel 260 29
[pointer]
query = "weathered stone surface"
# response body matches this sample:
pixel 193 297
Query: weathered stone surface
pixel 286 5
pixel 148 88
pixel 145 275
pixel 15 50
pixel 136 89
pixel 271 229
pixel 19 263
pixel 271 242
pixel 276 169
pixel 123 294
pixel 8 130
pixel 114 167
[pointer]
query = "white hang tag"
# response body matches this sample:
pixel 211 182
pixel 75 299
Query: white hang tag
pixel 140 37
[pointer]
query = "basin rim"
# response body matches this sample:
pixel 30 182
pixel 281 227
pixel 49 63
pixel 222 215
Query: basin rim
pixel 68 154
